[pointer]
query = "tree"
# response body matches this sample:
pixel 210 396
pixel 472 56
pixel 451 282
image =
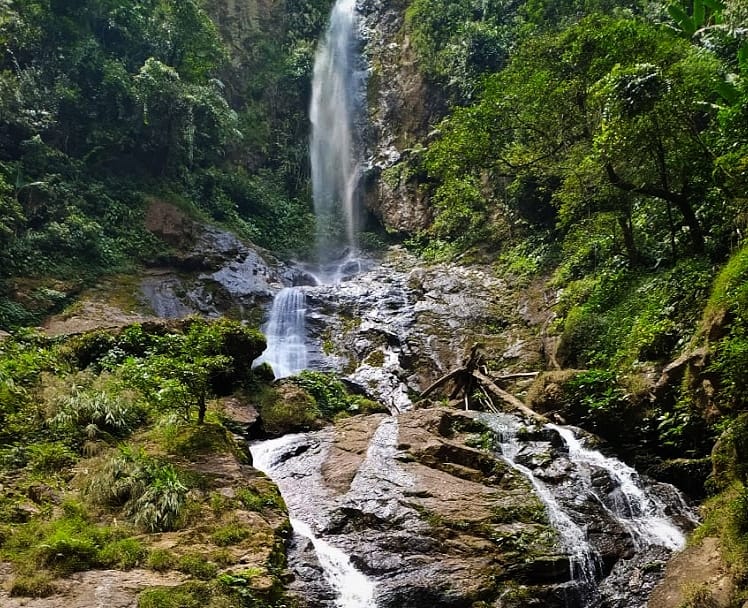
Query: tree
pixel 615 111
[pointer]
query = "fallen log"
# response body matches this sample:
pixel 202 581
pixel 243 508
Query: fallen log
pixel 508 398
pixel 443 380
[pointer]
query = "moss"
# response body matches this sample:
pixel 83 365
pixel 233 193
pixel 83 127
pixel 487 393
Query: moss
pixel 375 359
pixel 39 584
pixel 230 534
pixel 288 409
pixel 190 595
pixel 161 560
pixel 197 566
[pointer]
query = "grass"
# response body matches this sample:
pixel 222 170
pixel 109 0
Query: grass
pixel 38 584
pixel 161 560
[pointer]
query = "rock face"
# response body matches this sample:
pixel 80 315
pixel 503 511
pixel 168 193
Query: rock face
pixel 403 108
pixel 434 521
pixel 399 325
pixel 208 271
pixel 700 568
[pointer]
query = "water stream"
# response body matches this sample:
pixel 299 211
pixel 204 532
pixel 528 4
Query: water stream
pixel 591 478
pixel 641 512
pixel 276 458
pixel 584 563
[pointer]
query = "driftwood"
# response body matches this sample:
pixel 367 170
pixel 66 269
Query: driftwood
pixel 472 381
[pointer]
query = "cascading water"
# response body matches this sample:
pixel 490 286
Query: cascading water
pixel 584 563
pixel 352 588
pixel 626 501
pixel 336 107
pixel 285 331
pixel 642 514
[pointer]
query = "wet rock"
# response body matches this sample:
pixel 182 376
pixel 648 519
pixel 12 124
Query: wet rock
pixel 215 271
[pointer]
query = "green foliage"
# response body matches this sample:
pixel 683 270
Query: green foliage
pixel 161 560
pixel 620 317
pixel 39 584
pixel 255 500
pixel 123 554
pixel 327 390
pixel 97 413
pixel 729 297
pixel 150 492
pixel 189 595
pixel 230 534
pixel 50 457
pixel 71 543
pixel 287 411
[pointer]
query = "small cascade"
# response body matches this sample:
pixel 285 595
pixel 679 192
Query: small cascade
pixel 336 107
pixel 285 331
pixel 351 587
pixel 642 514
pixel 583 480
pixel 583 561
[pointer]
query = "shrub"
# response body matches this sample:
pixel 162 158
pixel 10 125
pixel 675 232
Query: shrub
pixel 161 560
pixel 50 457
pixel 96 412
pixel 288 409
pixel 189 595
pixel 151 492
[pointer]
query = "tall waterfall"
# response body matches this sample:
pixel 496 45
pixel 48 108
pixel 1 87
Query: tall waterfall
pixel 286 334
pixel 336 108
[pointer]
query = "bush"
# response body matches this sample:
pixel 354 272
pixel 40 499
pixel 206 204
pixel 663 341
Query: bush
pixel 150 492
pixel 39 584
pixel 189 595
pixel 288 409
pixel 50 457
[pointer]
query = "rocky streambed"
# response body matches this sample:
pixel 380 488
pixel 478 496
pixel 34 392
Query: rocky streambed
pixel 429 508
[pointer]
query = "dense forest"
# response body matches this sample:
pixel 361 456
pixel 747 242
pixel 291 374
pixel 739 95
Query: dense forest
pixel 598 146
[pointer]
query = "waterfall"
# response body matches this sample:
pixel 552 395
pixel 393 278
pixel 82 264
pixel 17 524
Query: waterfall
pixel 285 330
pixel 336 108
pixel 627 501
pixel 352 588
pixel 583 561
pixel 642 514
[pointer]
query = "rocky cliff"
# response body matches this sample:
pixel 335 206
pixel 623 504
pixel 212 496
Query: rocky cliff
pixel 403 108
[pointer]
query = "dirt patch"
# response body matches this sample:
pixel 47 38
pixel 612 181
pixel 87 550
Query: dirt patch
pixel 89 315
pixel 95 589
pixel 697 567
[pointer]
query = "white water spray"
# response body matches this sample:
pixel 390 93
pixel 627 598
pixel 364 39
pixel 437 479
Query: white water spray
pixel 583 561
pixel 337 102
pixel 285 330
